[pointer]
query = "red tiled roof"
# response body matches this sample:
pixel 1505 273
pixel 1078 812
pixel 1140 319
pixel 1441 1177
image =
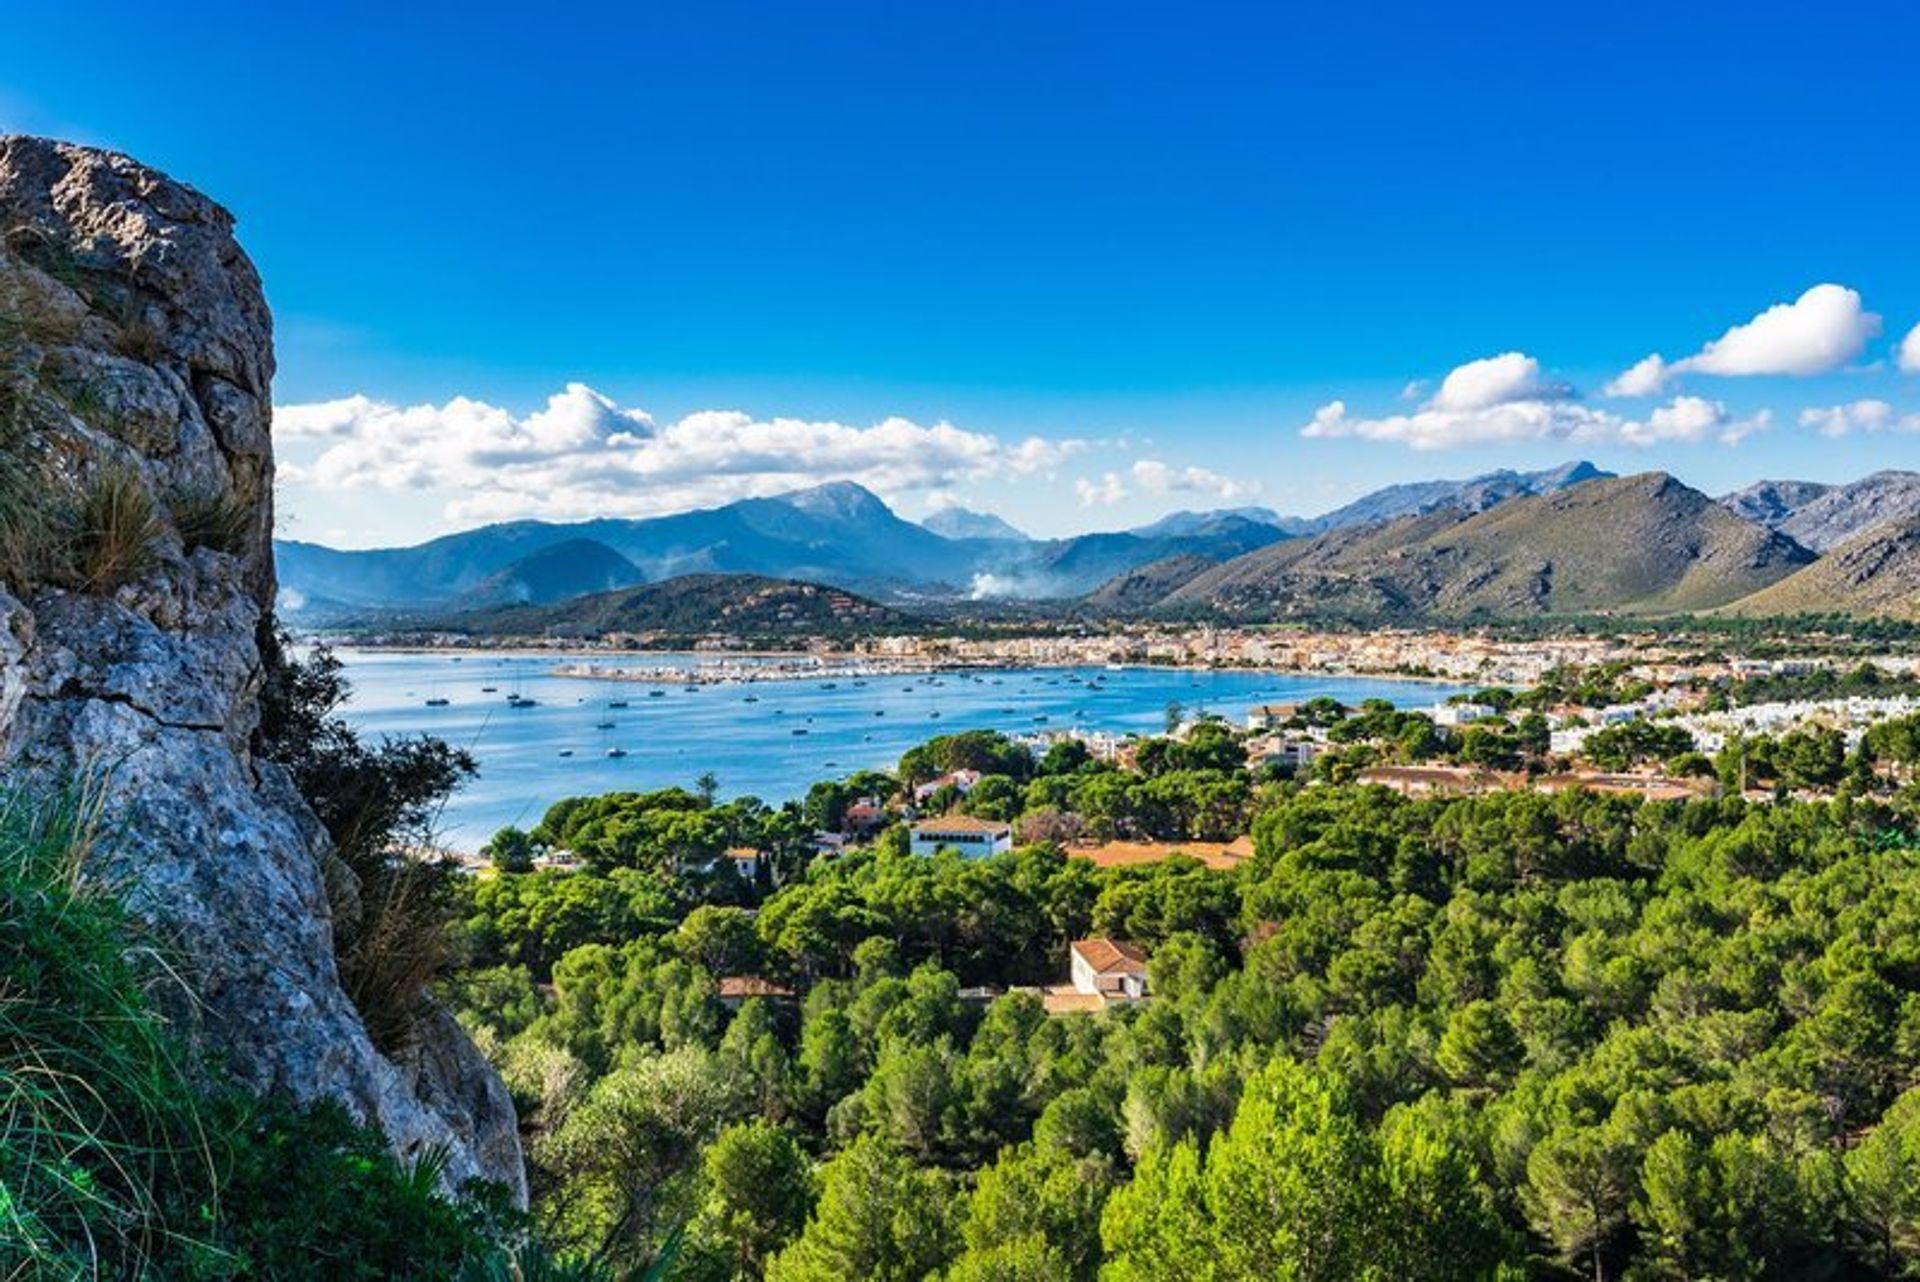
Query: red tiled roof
pixel 1112 956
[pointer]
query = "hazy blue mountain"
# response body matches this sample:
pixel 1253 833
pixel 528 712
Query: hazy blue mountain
pixel 960 523
pixel 839 533
pixel 834 533
pixel 558 572
pixel 1178 525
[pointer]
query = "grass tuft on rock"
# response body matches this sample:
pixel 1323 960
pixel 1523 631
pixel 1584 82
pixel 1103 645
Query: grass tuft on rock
pixel 212 518
pixel 116 528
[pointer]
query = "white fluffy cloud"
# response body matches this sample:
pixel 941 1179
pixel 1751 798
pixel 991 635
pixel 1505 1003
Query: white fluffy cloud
pixel 1909 354
pixel 1859 416
pixel 1505 400
pixel 1645 377
pixel 583 455
pixel 1817 333
pixel 1497 380
pixel 1163 478
pixel 1103 492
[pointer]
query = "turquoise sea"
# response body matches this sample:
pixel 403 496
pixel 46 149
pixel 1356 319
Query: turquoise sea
pixel 770 738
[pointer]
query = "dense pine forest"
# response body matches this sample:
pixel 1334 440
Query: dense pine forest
pixel 1497 1036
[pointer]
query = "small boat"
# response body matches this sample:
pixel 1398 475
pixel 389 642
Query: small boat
pixel 1042 717
pixel 690 688
pixel 753 698
pixel 933 714
pixel 438 703
pixel 879 712
pixel 656 694
pixel 828 685
pixel 619 703
pixel 604 725
pixel 489 689
pixel 800 730
pixel 616 753
pixel 523 703
pixel 566 752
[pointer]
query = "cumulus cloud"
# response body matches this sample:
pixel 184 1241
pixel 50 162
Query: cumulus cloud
pixel 1506 400
pixel 1497 380
pixel 583 455
pixel 1859 416
pixel 1909 354
pixel 1104 492
pixel 1645 377
pixel 1816 333
pixel 1163 478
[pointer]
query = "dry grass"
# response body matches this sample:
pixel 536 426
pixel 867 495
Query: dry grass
pixel 116 525
pixel 395 945
pixel 212 518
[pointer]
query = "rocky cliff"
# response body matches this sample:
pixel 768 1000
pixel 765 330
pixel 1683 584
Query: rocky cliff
pixel 136 362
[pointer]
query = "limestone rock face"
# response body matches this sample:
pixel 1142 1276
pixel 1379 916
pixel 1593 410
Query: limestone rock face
pixel 135 341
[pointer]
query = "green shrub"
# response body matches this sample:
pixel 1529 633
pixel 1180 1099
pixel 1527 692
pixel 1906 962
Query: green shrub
pixel 119 1160
pixel 94 1112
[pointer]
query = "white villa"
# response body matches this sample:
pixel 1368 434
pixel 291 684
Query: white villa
pixel 974 838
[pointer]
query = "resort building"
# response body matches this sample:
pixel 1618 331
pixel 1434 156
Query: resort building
pixel 1111 969
pixel 961 781
pixel 1460 714
pixel 1271 716
pixel 975 838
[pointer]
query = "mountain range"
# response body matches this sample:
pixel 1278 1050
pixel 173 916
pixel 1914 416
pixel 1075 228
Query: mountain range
pixel 1641 544
pixel 1568 540
pixel 837 533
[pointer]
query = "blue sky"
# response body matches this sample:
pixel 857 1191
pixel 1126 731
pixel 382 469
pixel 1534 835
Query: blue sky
pixel 1127 252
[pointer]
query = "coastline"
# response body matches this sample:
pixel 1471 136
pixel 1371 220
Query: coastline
pixel 759 666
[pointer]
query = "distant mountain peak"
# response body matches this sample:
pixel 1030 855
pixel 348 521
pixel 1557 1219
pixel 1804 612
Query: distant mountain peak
pixel 1473 494
pixel 964 523
pixel 1184 524
pixel 1824 517
pixel 840 500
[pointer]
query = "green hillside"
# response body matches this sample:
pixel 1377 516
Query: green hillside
pixel 694 605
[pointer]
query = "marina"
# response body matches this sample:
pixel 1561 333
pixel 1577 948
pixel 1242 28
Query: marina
pixel 542 728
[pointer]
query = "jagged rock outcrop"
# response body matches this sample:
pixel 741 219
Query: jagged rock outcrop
pixel 136 361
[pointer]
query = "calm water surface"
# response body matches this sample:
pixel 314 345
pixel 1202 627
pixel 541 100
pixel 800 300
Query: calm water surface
pixel 747 734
